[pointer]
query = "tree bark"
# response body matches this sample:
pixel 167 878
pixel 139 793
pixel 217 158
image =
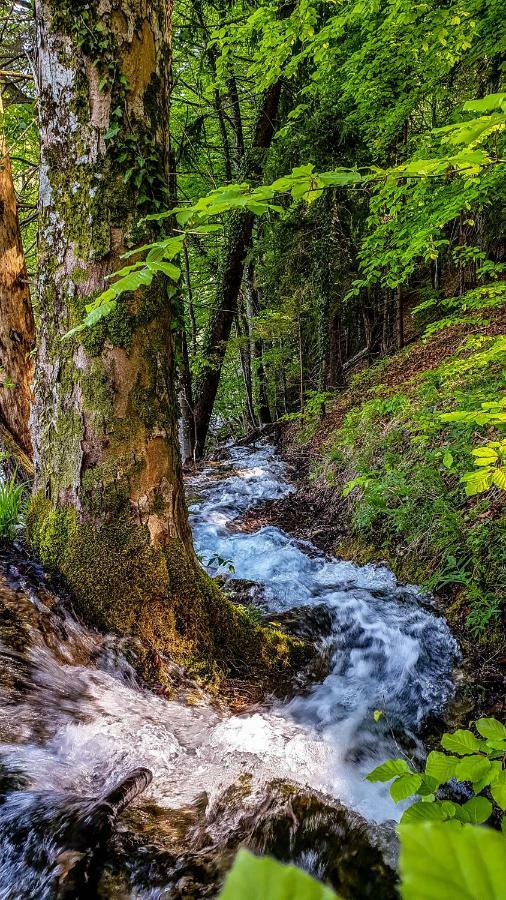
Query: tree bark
pixel 17 330
pixel 242 330
pixel 335 374
pixel 238 242
pixel 253 308
pixel 109 509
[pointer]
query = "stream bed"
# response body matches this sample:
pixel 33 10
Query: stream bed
pixel 286 777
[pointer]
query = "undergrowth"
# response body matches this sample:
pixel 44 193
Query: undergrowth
pixel 401 466
pixel 12 506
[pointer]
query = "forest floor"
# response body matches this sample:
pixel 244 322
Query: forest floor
pixel 409 509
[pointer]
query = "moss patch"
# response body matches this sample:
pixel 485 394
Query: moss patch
pixel 120 582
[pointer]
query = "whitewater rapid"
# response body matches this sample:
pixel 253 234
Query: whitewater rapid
pixel 81 727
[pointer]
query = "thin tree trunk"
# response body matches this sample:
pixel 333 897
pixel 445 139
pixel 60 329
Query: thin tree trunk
pixel 335 375
pixel 244 353
pixel 235 115
pixel 253 308
pixel 17 331
pixel 400 317
pixel 187 421
pixel 301 363
pixel 109 510
pixel 191 307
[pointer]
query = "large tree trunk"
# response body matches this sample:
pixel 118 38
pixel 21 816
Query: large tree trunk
pixel 16 317
pixel 238 243
pixel 109 509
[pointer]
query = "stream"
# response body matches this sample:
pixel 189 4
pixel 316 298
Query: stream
pixel 74 719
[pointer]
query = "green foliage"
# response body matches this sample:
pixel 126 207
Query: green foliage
pixel 438 862
pixel 457 309
pixel 259 878
pixel 304 184
pixel 400 457
pixel 490 462
pixel 12 508
pixel 472 758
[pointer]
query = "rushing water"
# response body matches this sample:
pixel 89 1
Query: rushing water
pixel 81 721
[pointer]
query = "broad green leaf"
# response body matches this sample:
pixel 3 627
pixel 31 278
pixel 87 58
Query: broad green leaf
pixel 404 786
pixel 472 768
pixel 207 229
pixel 499 477
pixel 422 811
pixel 486 452
pixel 100 312
pixel 496 745
pixel 462 742
pixel 440 766
pixel 491 776
pixel 474 811
pixel 388 770
pixel 486 104
pixel 262 878
pixel 498 790
pixel 448 460
pixel 377 714
pixel 491 729
pixel 438 862
pixel 428 786
pixel 167 268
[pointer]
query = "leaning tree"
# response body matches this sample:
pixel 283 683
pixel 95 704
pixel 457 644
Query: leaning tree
pixel 109 509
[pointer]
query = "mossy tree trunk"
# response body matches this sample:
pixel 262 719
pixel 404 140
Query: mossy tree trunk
pixel 16 317
pixel 109 509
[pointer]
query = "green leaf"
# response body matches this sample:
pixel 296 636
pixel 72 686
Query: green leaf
pixel 489 778
pixel 422 811
pixel 462 742
pixel 472 768
pixel 262 878
pixel 388 770
pixel 486 452
pixel 496 745
pixel 491 729
pixel 428 786
pixel 475 811
pixel 404 786
pixel 167 268
pixel 486 104
pixel 206 229
pixel 377 714
pixel 440 766
pixel 499 477
pixel 448 460
pixel 440 863
pixel 498 790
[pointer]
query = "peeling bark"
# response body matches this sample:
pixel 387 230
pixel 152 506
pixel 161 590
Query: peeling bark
pixel 104 418
pixel 16 317
pixel 104 414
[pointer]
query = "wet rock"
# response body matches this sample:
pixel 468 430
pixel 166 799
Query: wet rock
pixel 189 852
pixel 312 623
pixel 248 593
